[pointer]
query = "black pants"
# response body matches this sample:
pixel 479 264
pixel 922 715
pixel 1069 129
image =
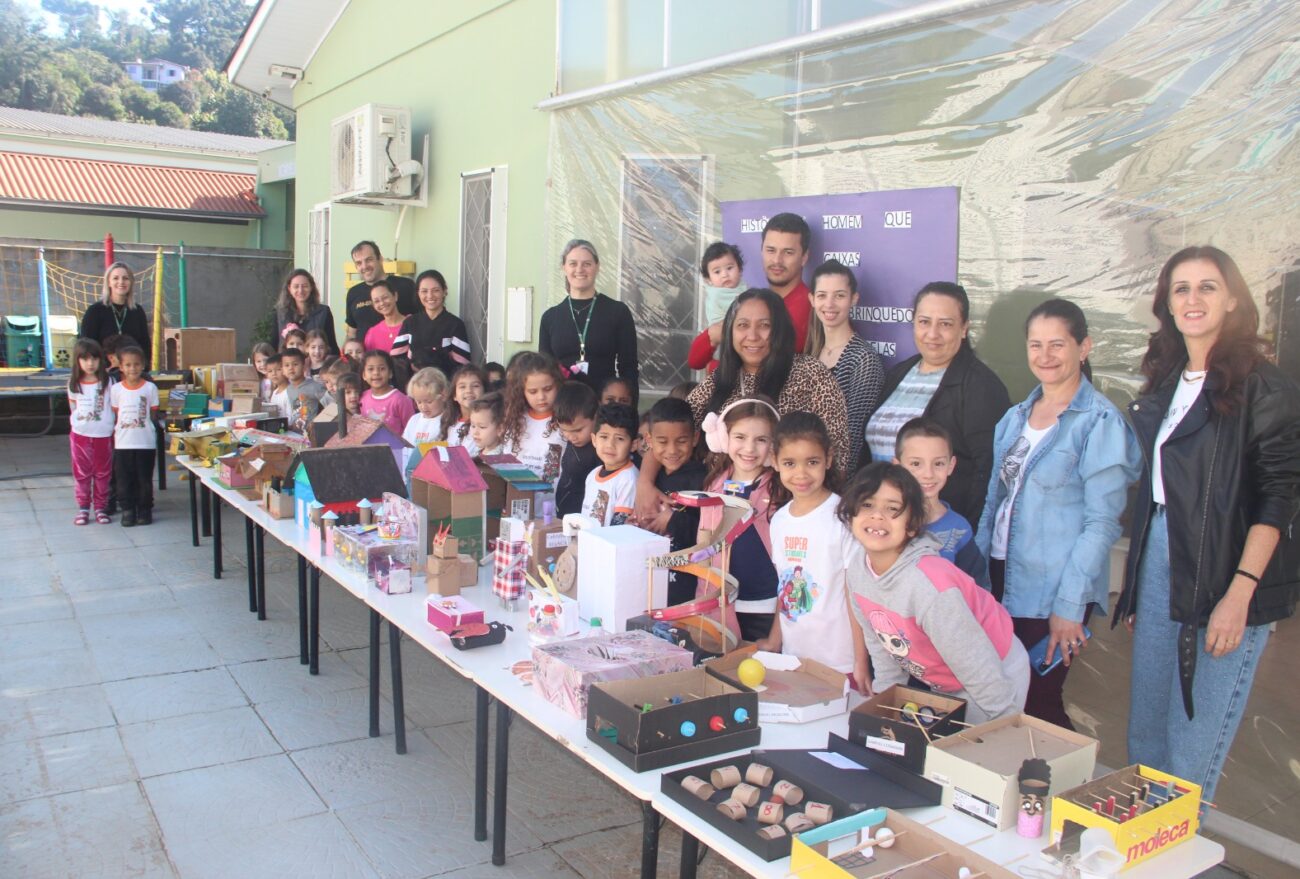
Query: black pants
pixel 754 626
pixel 133 476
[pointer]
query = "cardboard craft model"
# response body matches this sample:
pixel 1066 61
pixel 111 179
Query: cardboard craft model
pixel 266 461
pixel 513 491
pixel 448 485
pixel 339 478
pixel 365 431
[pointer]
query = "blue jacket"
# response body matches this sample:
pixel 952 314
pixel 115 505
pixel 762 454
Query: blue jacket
pixel 1066 517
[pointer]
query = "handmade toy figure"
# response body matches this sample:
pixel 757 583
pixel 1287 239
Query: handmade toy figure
pixel 1034 778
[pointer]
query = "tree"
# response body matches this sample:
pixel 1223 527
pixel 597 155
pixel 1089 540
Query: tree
pixel 200 33
pixel 184 94
pixel 80 19
pixel 102 100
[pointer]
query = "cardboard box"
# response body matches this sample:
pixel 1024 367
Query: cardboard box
pixel 546 542
pixel 653 739
pixel 563 671
pixel 612 575
pixel 810 692
pixel 228 373
pixel 229 474
pixel 978 767
pixel 235 388
pixel 448 485
pixel 447 576
pixel 845 777
pixel 826 852
pixel 512 490
pixel 279 504
pixel 1157 828
pixel 187 347
pixel 880 724
pixel 448 612
pixel 551 617
pixel 243 404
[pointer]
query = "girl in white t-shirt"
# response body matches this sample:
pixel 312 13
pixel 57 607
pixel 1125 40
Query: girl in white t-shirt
pixel 429 390
pixel 532 436
pixel 467 385
pixel 92 432
pixel 812 551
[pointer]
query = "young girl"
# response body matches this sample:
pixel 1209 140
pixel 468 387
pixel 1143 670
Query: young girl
pixel 617 390
pixel 294 338
pixel 811 552
pixel 354 352
pixel 428 389
pixel 318 349
pixel 382 400
pixel 740 438
pixel 382 335
pixel 467 385
pixel 261 351
pixel 532 381
pixel 92 431
pixel 349 389
pixel 925 618
pixel 135 403
pixel 487 423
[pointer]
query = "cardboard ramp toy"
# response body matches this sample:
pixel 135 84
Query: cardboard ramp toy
pixel 709 561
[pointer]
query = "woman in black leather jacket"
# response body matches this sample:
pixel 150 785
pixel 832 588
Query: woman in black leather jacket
pixel 1211 558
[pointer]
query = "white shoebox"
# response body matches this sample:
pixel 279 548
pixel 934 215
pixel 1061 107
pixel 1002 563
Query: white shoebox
pixel 612 576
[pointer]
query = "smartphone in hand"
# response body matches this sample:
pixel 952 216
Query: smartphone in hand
pixel 1038 654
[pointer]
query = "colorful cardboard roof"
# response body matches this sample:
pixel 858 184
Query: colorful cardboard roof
pixel 350 473
pixel 450 468
pixel 366 431
pixel 512 470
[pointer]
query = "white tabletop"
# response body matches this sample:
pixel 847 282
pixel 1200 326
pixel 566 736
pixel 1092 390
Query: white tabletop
pixel 489 668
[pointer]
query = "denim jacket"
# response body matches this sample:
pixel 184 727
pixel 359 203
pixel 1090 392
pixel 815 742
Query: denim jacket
pixel 1066 516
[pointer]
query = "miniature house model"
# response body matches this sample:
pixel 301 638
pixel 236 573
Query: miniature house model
pixel 266 461
pixel 339 478
pixel 448 485
pixel 365 431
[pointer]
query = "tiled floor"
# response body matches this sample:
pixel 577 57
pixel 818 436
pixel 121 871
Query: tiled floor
pixel 150 726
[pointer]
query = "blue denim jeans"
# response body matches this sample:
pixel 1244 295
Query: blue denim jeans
pixel 1159 733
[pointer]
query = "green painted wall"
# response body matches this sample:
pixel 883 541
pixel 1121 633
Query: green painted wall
pixel 93 227
pixel 471 72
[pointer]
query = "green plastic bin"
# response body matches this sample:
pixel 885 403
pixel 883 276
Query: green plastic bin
pixel 22 335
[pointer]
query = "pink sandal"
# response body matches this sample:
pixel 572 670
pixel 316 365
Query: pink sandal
pixel 83 518
pixel 103 518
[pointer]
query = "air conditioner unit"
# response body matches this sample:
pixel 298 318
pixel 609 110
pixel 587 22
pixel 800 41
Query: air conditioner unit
pixel 371 154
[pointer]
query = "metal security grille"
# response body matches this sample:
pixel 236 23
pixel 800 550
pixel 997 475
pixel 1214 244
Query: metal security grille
pixel 318 250
pixel 662 215
pixel 475 241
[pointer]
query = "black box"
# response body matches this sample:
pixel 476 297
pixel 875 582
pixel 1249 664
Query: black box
pixel 847 791
pixel 880 724
pixel 703 645
pixel 654 739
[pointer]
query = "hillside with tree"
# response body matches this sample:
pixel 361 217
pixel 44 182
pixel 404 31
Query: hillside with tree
pixel 79 72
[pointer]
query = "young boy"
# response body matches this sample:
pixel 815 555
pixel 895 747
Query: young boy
pixel 354 352
pixel 299 399
pixel 575 414
pixel 673 438
pixel 429 391
pixel 135 402
pixel 112 346
pixel 330 376
pixel 611 488
pixel 925 449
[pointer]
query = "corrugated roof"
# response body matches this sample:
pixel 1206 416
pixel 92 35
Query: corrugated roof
pixel 60 181
pixel 35 122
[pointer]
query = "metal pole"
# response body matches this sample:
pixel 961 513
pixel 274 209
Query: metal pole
pixel 109 257
pixel 185 301
pixel 47 341
pixel 158 360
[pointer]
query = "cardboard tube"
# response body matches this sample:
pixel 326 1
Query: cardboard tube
pixel 725 777
pixel 759 775
pixel 798 822
pixel 747 794
pixel 790 793
pixel 770 813
pixel 818 813
pixel 772 831
pixel 697 787
pixel 732 808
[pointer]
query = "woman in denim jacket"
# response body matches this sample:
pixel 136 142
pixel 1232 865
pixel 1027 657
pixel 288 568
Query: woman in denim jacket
pixel 1063 460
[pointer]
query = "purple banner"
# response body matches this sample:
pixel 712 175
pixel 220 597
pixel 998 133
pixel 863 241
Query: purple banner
pixel 895 242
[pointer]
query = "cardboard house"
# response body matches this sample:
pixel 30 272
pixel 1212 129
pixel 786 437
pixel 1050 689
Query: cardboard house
pixel 266 466
pixel 338 478
pixel 365 431
pixel 448 485
pixel 512 490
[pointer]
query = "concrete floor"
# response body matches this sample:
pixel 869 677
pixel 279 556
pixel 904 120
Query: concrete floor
pixel 149 726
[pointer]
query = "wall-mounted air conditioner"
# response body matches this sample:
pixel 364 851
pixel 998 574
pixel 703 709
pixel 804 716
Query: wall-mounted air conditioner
pixel 371 155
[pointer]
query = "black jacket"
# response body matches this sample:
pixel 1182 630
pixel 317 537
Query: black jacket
pixel 100 322
pixel 970 401
pixel 318 318
pixel 611 341
pixel 1222 474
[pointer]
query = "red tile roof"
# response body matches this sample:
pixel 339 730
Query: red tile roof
pixel 67 182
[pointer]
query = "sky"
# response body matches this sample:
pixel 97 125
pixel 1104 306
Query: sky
pixel 52 21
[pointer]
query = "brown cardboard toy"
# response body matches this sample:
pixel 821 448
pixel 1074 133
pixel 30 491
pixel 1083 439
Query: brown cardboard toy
pixel 277 503
pixel 192 346
pixel 447 576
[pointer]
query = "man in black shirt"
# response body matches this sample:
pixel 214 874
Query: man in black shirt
pixel 359 315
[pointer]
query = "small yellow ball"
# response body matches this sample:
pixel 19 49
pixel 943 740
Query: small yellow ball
pixel 751 673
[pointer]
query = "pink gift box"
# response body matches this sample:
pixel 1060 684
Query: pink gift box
pixel 447 612
pixel 563 671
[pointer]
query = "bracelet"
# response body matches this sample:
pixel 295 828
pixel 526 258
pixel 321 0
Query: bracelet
pixel 1248 575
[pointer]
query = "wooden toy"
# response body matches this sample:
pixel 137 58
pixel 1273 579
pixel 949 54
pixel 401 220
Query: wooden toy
pixel 448 485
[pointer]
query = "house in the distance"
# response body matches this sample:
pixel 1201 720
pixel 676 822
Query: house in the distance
pixel 155 72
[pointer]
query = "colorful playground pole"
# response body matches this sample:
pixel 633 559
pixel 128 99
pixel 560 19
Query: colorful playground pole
pixel 109 256
pixel 185 300
pixel 47 343
pixel 158 357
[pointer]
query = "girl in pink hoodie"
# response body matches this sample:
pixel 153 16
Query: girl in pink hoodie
pixel 923 618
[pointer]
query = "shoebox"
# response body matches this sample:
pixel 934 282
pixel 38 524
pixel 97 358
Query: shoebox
pixel 614 581
pixel 978 767
pixel 693 714
pixel 794 690
pixel 447 612
pixel 563 671
pixel 843 849
pixel 1146 811
pixel 843 776
pixel 900 722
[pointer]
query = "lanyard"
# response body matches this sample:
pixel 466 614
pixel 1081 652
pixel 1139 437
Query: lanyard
pixel 586 325
pixel 119 320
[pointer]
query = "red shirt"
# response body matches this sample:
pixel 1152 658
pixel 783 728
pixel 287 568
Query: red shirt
pixel 798 304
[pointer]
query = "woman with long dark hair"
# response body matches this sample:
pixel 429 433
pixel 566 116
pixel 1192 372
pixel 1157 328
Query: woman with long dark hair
pixel 299 307
pixel 1212 560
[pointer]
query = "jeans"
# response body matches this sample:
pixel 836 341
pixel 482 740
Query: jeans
pixel 1159 733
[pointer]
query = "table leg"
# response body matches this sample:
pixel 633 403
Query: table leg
pixel 399 700
pixel 480 762
pixel 259 545
pixel 500 770
pixel 374 672
pixel 313 655
pixel 162 455
pixel 690 856
pixel 302 610
pixel 251 553
pixel 205 511
pixel 649 840
pixel 194 508
pixel 216 536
